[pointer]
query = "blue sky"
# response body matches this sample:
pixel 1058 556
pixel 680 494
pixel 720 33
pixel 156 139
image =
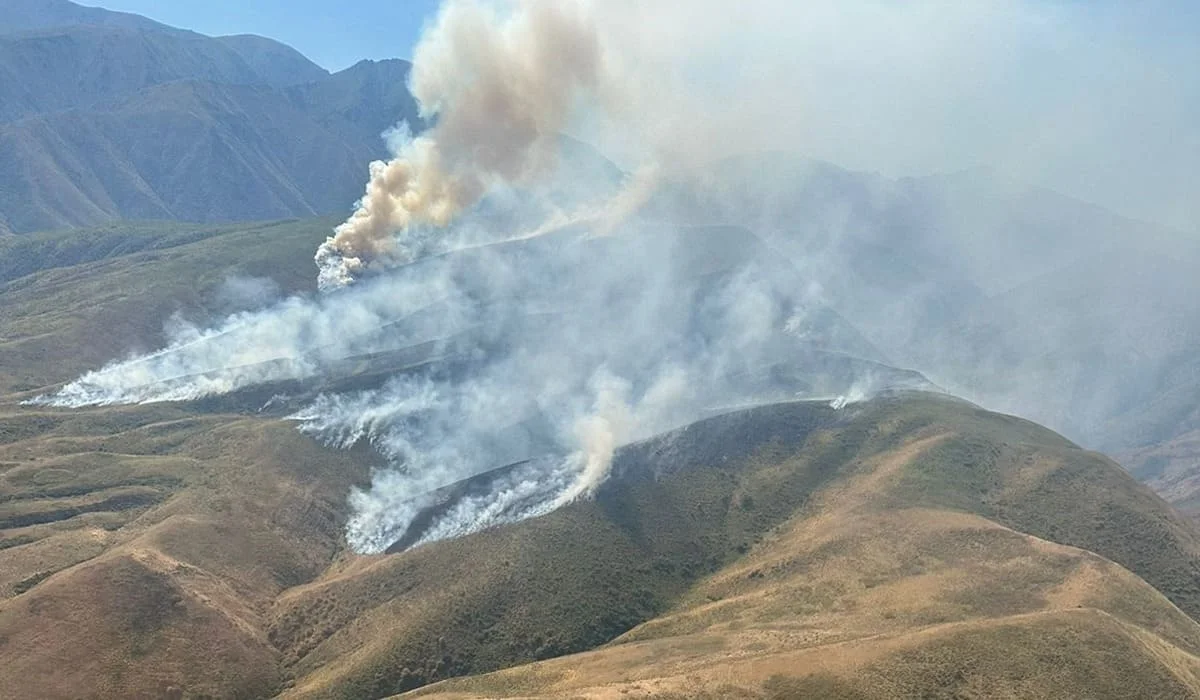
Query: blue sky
pixel 334 33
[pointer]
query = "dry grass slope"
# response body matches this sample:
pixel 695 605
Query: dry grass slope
pixel 912 546
pixel 863 596
pixel 69 305
pixel 129 597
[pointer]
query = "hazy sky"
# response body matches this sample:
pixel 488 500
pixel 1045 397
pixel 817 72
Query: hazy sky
pixel 334 33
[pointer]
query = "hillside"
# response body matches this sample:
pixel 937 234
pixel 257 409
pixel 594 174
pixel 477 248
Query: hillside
pixel 1019 298
pixel 219 153
pixel 869 592
pixel 199 151
pixel 106 116
pixel 968 277
pixel 918 531
pixel 99 294
pixel 545 424
pixel 774 540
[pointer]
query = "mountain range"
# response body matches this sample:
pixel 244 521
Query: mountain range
pixel 918 540
pixel 107 116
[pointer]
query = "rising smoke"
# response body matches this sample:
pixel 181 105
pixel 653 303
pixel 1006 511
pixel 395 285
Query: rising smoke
pixel 548 353
pixel 505 308
pixel 499 91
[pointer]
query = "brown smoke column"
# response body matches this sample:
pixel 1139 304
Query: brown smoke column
pixel 498 90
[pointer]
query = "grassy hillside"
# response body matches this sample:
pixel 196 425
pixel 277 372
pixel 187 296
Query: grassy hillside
pixel 90 304
pixel 870 590
pixel 805 549
pixel 168 529
pixel 760 533
pixel 25 255
pixel 913 545
pixel 140 549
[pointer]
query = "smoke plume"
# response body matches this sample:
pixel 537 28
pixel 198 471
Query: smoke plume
pixel 523 306
pixel 499 90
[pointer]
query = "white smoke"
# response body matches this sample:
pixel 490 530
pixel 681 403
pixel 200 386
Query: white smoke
pixel 524 317
pixel 297 338
pixel 547 353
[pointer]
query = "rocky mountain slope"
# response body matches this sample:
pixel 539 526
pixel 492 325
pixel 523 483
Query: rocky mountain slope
pixel 107 116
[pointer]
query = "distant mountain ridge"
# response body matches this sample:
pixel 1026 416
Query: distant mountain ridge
pixel 24 15
pixel 107 116
pixel 279 64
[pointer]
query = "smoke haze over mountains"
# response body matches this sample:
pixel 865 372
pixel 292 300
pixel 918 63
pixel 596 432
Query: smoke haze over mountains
pixel 525 304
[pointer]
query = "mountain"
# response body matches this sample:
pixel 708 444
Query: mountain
pixel 364 96
pixel 1022 299
pixel 1130 374
pixel 910 545
pixel 278 64
pixel 890 582
pixel 106 116
pixel 260 490
pixel 185 150
pixel 1172 468
pixel 25 15
pixel 1120 321
pixel 77 67
pixel 196 151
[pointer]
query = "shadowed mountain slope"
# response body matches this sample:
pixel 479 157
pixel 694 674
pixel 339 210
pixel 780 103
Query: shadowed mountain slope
pixel 106 116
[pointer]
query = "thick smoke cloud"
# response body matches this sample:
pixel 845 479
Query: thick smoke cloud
pixel 506 308
pixel 547 353
pixel 499 90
